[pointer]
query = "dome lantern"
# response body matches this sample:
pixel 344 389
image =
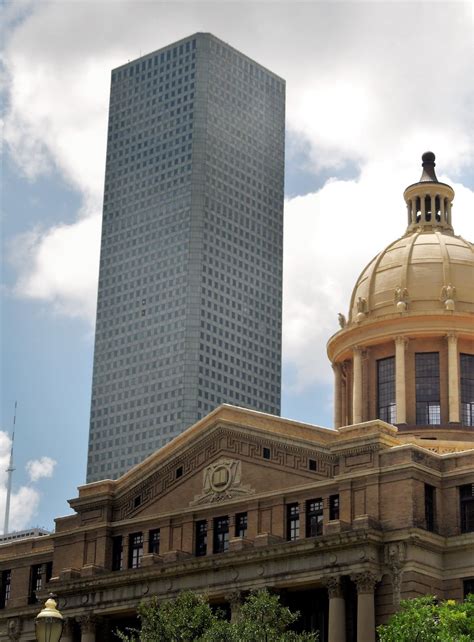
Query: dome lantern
pixel 429 201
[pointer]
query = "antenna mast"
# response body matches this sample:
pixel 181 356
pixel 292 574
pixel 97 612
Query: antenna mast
pixel 10 470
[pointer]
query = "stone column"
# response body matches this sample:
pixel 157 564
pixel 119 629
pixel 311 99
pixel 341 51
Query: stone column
pixel 365 606
pixel 337 610
pixel 337 395
pixel 235 602
pixel 88 624
pixel 356 385
pixel 67 635
pixel 453 378
pixel 400 380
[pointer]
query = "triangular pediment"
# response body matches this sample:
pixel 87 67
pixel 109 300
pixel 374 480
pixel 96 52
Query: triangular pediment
pixel 225 460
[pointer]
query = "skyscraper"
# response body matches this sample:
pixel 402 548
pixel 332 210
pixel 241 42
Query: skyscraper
pixel 190 282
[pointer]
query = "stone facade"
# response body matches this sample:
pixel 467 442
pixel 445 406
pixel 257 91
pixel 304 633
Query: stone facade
pixel 343 523
pixel 374 545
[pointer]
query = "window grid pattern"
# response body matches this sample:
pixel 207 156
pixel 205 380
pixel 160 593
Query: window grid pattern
pixel 292 522
pixel 135 550
pixel 221 534
pixel 154 541
pixel 386 390
pixel 241 525
pixel 314 517
pixel 430 507
pixel 333 507
pixel 428 410
pixel 467 389
pixel 5 587
pixel 201 538
pixel 117 553
pixel 466 497
pixel 193 202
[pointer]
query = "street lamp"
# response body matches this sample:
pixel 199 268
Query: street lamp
pixel 49 622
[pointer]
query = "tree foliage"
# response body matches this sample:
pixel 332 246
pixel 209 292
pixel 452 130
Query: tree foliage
pixel 424 619
pixel 189 617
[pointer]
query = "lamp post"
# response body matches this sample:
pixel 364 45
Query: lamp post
pixel 49 622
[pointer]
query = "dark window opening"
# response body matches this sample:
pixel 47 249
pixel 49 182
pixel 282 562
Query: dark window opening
pixel 292 522
pixel 468 587
pixel 467 389
pixel 154 541
pixel 135 550
pixel 179 472
pixel 466 497
pixel 333 507
pixel 201 538
pixel 428 411
pixel 266 453
pixel 137 501
pixel 314 517
pixel 430 507
pixel 241 525
pixel 117 553
pixel 312 464
pixel 386 406
pixel 5 587
pixel 36 582
pixel 221 534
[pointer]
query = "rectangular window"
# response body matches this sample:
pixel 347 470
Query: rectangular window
pixel 36 582
pixel 314 517
pixel 135 550
pixel 117 553
pixel 201 538
pixel 221 534
pixel 154 541
pixel 467 389
pixel 333 507
pixel 5 586
pixel 241 525
pixel 386 408
pixel 427 388
pixel 466 497
pixel 292 522
pixel 468 586
pixel 430 507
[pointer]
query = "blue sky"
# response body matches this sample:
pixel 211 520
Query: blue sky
pixel 365 97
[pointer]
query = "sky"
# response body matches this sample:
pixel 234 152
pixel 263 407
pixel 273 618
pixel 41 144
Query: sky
pixel 370 87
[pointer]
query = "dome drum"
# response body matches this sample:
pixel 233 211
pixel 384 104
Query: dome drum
pixel 406 353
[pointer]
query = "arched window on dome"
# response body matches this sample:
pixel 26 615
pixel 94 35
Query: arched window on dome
pixel 428 409
pixel 467 389
pixel 386 408
pixel 418 209
pixel 428 208
pixel 438 209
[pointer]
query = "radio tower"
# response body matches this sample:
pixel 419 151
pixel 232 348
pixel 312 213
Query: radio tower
pixel 10 470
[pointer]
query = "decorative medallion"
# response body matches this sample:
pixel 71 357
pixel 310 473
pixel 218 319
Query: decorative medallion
pixel 221 481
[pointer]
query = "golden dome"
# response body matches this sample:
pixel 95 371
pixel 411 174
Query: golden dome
pixel 428 270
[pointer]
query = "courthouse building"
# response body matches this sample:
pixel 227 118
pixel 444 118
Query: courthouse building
pixel 343 522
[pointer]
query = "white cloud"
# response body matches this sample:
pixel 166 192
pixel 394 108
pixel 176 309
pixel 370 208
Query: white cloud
pixel 25 500
pixel 362 89
pixel 39 468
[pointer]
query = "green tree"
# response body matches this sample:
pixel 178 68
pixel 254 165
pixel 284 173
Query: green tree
pixel 424 619
pixel 189 617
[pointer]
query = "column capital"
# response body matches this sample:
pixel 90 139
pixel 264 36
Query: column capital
pixel 235 598
pixel 452 337
pixel 365 581
pixel 337 366
pixel 87 622
pixel 401 340
pixel 357 349
pixel 334 586
pixel 68 627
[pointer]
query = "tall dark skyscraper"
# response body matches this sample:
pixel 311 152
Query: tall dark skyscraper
pixel 190 282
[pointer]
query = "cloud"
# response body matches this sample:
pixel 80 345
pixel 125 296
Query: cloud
pixel 39 468
pixel 362 91
pixel 25 500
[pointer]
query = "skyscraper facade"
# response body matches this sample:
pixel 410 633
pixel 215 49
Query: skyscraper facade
pixel 190 282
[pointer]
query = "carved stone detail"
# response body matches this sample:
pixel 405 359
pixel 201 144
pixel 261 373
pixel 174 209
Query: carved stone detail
pixel 334 586
pixel 394 558
pixel 365 581
pixel 221 481
pixel 14 628
pixel 342 320
pixel 87 622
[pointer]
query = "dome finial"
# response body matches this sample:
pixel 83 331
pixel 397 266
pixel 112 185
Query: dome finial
pixel 429 174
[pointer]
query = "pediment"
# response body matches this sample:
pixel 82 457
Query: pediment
pixel 224 463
